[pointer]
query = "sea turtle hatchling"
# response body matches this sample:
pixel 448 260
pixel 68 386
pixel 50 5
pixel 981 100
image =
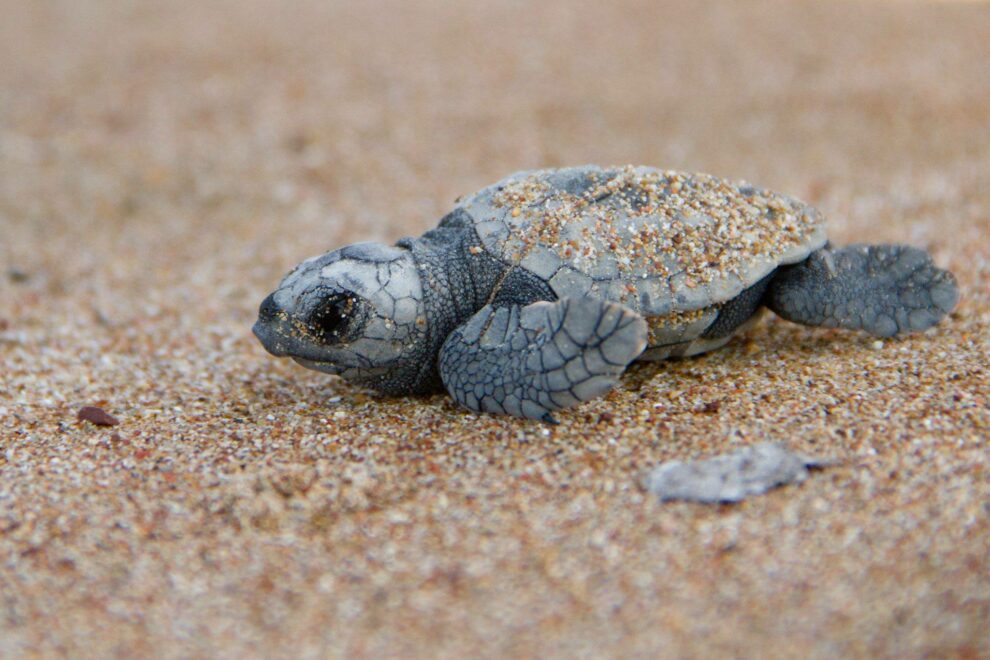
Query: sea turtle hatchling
pixel 535 293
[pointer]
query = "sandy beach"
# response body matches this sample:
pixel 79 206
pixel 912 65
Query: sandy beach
pixel 162 165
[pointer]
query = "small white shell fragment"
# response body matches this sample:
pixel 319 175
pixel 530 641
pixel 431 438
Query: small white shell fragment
pixel 731 477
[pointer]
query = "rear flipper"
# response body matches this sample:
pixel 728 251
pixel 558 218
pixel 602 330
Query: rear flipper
pixel 529 361
pixel 884 289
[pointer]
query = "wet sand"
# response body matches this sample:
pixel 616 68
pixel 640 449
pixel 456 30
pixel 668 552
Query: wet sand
pixel 162 166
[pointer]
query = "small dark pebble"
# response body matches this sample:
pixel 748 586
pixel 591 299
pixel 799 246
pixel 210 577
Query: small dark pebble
pixel 606 417
pixel 97 416
pixel 711 407
pixel 4 325
pixel 18 276
pixel 297 143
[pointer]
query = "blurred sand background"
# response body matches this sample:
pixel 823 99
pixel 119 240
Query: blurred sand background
pixel 162 164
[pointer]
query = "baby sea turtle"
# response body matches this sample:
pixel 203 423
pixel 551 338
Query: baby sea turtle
pixel 535 293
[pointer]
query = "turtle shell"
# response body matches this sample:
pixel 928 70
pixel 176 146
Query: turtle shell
pixel 658 241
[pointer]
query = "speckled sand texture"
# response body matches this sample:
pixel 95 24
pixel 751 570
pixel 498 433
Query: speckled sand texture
pixel 163 164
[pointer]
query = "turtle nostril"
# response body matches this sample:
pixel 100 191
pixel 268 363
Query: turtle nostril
pixel 268 309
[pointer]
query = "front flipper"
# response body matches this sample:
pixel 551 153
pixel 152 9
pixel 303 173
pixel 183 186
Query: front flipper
pixel 529 361
pixel 883 289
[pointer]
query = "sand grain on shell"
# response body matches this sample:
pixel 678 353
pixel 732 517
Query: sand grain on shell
pixel 161 167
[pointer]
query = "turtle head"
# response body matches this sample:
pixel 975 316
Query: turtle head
pixel 357 312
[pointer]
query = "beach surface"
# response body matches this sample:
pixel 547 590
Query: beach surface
pixel 162 165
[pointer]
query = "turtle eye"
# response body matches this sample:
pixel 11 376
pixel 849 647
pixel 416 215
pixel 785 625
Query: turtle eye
pixel 331 317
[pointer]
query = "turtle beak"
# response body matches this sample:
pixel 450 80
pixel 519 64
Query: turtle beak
pixel 268 310
pixel 266 327
pixel 325 367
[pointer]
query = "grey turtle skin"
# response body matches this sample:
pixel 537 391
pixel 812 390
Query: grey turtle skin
pixel 535 293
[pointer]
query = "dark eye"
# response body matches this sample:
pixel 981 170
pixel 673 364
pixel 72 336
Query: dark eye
pixel 332 316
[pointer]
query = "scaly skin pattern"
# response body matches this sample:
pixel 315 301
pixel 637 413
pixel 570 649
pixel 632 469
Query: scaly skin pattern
pixel 354 312
pixel 885 290
pixel 529 361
